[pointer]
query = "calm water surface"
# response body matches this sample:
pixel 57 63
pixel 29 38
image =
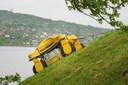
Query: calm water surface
pixel 15 59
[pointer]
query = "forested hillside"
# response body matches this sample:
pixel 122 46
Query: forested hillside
pixel 18 29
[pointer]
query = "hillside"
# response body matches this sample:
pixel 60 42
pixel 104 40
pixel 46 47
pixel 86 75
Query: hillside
pixel 17 29
pixel 103 62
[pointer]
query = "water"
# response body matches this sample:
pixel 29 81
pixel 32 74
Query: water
pixel 15 59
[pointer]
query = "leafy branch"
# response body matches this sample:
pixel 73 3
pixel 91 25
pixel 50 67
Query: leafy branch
pixel 11 78
pixel 101 10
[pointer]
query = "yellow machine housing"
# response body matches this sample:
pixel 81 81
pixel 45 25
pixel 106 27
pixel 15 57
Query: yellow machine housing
pixel 53 49
pixel 74 40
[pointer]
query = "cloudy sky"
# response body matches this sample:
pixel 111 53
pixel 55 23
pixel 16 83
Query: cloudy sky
pixel 55 10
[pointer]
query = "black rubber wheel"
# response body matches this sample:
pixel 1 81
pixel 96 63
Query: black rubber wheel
pixel 62 51
pixel 82 45
pixel 43 63
pixel 34 69
pixel 73 47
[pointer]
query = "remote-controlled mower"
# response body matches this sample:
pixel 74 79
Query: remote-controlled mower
pixel 53 49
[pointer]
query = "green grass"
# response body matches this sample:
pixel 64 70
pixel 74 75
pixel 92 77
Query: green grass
pixel 102 62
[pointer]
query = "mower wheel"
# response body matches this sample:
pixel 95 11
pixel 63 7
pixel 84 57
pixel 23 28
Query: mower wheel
pixel 34 69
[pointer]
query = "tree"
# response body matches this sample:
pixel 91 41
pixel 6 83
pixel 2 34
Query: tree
pixel 101 10
pixel 11 78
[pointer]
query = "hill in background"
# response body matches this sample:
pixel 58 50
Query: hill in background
pixel 18 29
pixel 103 62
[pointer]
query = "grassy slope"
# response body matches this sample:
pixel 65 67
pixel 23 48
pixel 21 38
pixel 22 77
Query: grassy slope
pixel 102 62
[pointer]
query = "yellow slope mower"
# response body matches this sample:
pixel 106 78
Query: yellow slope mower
pixel 53 49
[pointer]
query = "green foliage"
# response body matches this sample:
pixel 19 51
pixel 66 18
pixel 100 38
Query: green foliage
pixel 102 62
pixel 11 78
pixel 107 10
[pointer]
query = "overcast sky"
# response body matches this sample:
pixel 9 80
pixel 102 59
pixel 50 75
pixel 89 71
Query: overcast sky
pixel 55 10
